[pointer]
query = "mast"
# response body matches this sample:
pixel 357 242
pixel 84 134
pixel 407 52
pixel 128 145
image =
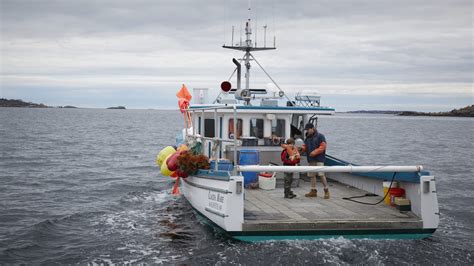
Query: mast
pixel 248 47
pixel 248 42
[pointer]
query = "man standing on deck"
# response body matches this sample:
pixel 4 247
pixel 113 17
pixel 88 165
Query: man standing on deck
pixel 315 147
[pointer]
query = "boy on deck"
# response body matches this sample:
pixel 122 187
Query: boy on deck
pixel 291 157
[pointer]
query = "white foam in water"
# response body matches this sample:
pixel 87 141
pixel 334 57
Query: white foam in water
pixel 157 197
pixel 147 197
pixel 132 223
pixel 144 253
pixel 332 250
pixel 125 222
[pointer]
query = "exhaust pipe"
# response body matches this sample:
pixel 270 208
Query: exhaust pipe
pixel 238 72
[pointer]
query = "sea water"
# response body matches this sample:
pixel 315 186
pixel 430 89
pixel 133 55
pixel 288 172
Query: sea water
pixel 81 186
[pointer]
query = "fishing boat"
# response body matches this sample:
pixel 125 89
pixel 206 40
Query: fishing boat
pixel 241 132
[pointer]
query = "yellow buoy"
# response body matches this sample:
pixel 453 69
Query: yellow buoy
pixel 182 147
pixel 164 168
pixel 160 158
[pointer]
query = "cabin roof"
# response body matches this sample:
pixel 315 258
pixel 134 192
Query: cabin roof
pixel 268 109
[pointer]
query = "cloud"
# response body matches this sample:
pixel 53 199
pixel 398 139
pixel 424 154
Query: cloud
pixel 381 48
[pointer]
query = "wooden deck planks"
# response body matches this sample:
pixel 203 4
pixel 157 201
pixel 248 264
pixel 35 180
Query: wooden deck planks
pixel 269 209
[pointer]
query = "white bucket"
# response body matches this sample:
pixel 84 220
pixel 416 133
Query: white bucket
pixel 266 183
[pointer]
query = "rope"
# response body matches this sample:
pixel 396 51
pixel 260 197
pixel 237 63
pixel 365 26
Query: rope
pixel 372 195
pixel 215 145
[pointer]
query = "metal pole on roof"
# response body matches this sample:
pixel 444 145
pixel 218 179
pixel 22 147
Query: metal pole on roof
pixel 329 169
pixel 194 128
pixel 235 135
pixel 202 124
pixel 215 137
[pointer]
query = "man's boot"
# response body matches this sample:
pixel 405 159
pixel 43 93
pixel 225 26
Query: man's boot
pixel 326 193
pixel 312 194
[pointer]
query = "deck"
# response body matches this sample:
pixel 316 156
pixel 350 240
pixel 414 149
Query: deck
pixel 268 210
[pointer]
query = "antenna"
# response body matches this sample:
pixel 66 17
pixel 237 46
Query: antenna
pixel 256 24
pixel 265 35
pixel 240 34
pixel 225 21
pixel 232 43
pixel 274 25
pixel 247 25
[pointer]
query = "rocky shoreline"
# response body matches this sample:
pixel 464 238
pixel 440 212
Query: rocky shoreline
pixel 22 104
pixel 467 111
pixel 19 103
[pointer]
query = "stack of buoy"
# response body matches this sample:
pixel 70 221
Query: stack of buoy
pixel 167 160
pixel 162 157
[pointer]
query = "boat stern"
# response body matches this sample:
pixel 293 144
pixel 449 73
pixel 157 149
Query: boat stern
pixel 218 196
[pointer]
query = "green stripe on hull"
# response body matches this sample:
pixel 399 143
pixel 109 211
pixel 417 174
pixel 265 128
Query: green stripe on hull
pixel 375 234
pixel 321 237
pixel 326 234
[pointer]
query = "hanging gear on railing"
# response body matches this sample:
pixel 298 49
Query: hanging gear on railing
pixel 184 98
pixel 215 145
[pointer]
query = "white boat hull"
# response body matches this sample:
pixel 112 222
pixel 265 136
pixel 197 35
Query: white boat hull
pixel 221 200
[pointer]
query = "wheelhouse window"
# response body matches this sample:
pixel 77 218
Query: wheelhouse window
pixel 231 128
pixel 209 128
pixel 297 126
pixel 256 128
pixel 278 128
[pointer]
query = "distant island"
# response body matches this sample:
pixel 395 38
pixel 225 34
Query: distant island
pixel 387 112
pixel 19 103
pixel 467 111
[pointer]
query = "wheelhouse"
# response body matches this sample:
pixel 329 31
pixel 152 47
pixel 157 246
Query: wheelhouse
pixel 255 126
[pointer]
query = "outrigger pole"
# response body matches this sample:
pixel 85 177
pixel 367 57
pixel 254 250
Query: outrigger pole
pixel 328 169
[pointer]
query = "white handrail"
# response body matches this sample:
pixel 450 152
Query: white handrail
pixel 195 108
pixel 328 169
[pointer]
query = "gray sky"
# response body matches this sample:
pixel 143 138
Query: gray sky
pixel 397 55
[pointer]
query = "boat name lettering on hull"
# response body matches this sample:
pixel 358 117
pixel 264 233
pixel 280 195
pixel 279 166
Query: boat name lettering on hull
pixel 216 200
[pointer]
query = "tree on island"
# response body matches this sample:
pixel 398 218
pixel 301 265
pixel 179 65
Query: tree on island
pixel 19 103
pixel 467 111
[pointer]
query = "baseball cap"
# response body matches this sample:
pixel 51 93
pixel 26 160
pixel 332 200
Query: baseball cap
pixel 308 126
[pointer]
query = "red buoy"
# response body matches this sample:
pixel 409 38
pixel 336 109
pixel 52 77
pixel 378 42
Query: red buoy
pixel 226 86
pixel 172 162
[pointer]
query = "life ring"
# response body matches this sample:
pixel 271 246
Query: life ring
pixel 276 140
